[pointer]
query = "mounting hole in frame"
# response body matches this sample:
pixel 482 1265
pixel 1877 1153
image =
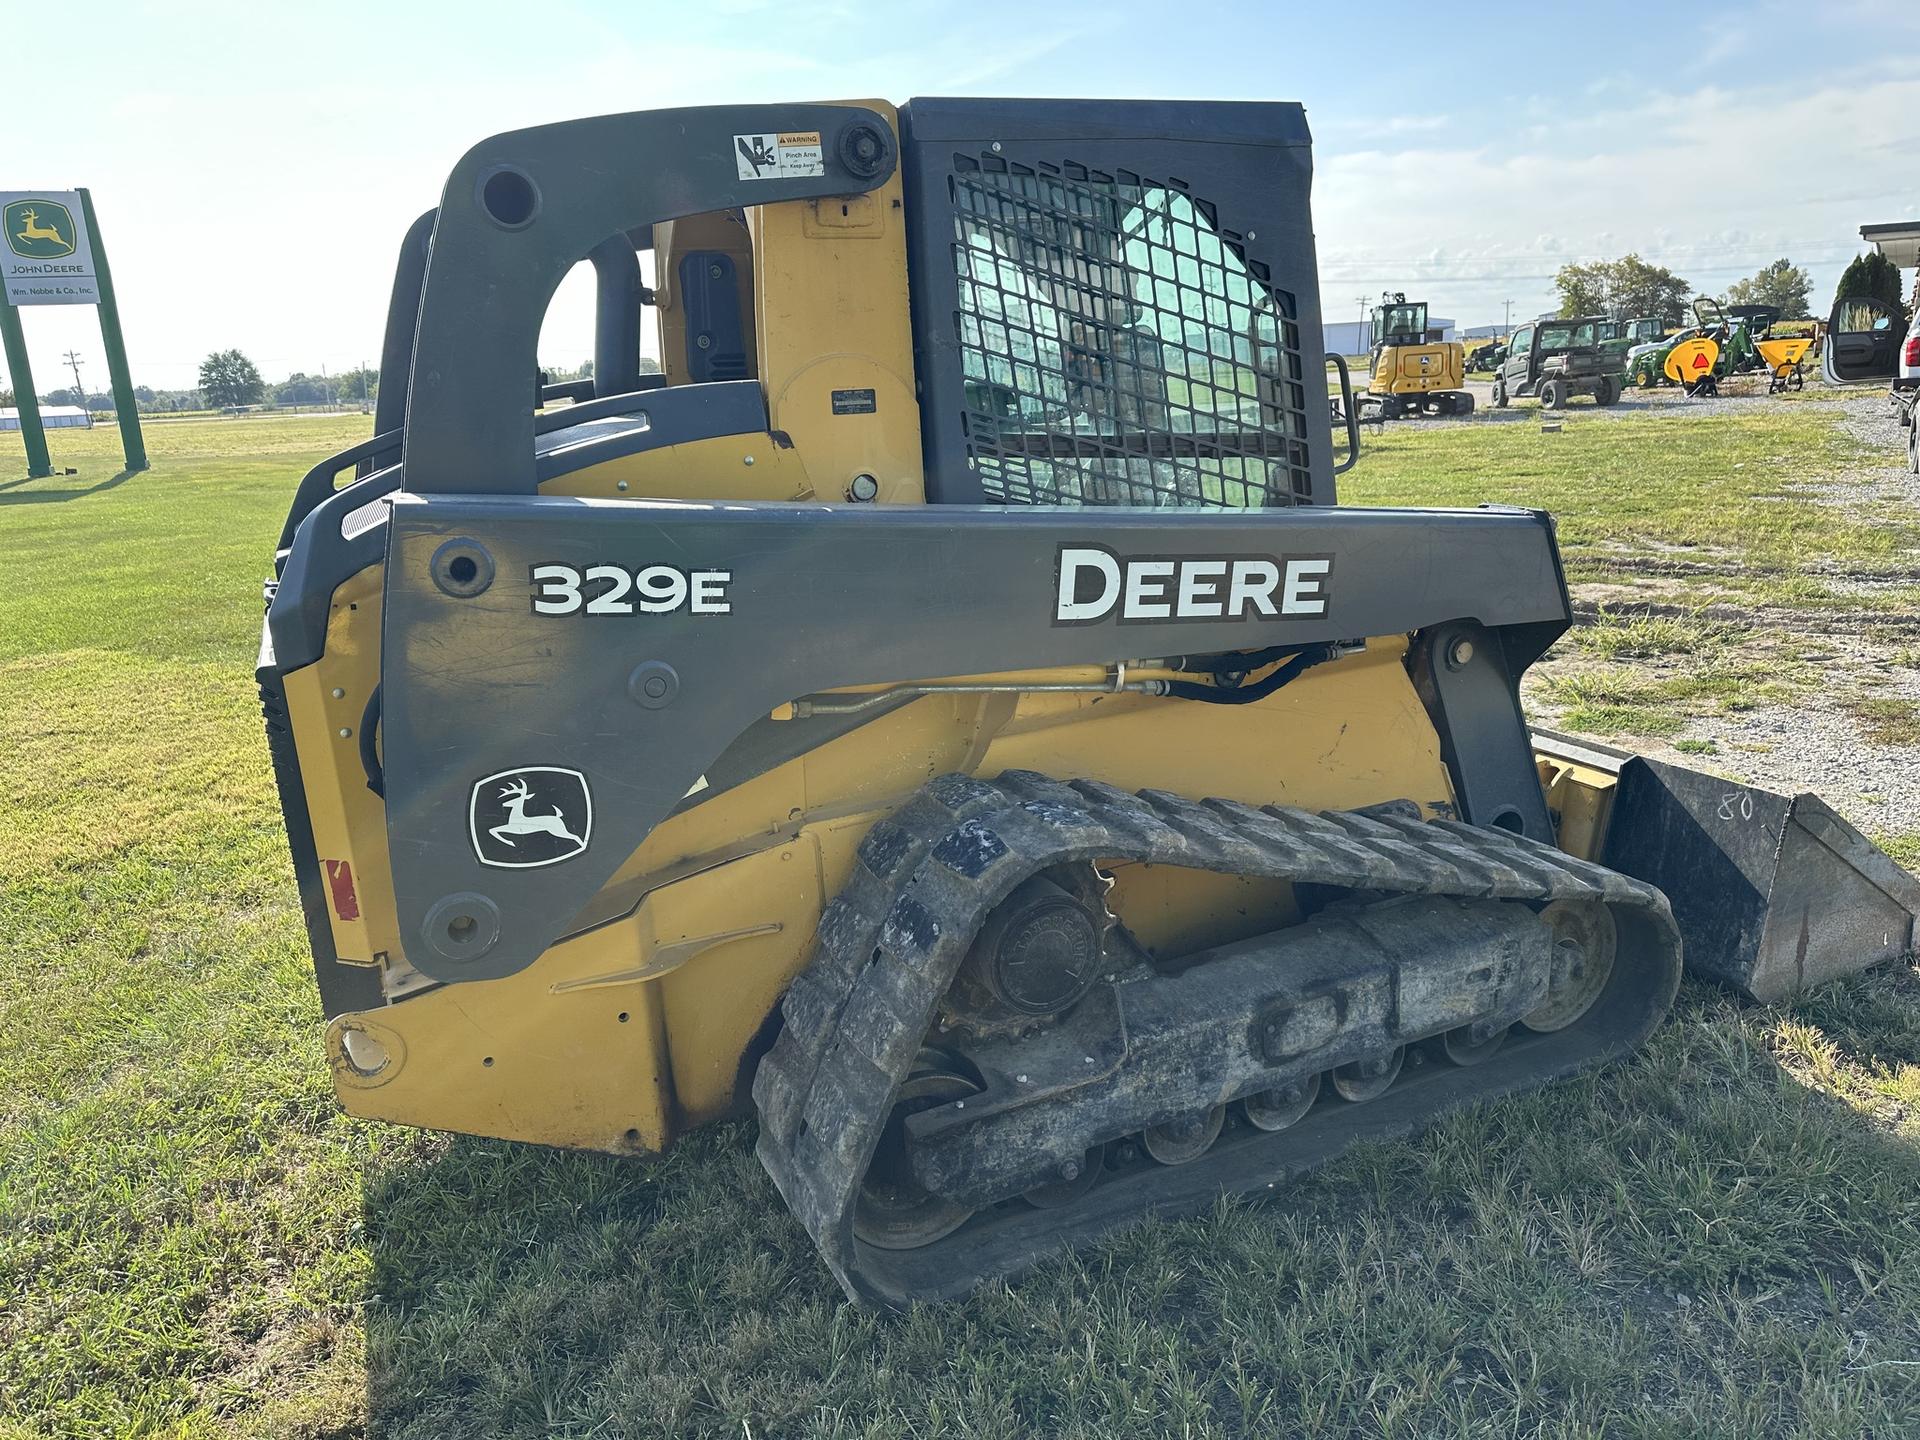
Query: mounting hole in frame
pixel 509 197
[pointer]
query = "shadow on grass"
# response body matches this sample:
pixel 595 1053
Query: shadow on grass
pixel 1693 1242
pixel 12 494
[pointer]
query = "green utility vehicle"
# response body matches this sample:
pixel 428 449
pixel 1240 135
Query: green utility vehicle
pixel 1556 360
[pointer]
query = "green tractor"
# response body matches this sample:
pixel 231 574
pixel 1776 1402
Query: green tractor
pixel 1618 338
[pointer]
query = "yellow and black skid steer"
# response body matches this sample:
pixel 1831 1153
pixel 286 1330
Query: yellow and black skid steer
pixel 943 708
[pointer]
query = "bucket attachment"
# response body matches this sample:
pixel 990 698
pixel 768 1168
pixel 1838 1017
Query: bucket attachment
pixel 1774 894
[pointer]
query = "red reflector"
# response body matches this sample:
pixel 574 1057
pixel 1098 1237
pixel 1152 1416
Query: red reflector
pixel 1911 355
pixel 340 883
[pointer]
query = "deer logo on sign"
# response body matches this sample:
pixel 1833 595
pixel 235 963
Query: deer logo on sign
pixel 536 815
pixel 39 229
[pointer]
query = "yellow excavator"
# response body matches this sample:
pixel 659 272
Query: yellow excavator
pixel 1413 370
pixel 943 712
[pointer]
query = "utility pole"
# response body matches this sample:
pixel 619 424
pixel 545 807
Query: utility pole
pixel 1366 333
pixel 1509 317
pixel 78 388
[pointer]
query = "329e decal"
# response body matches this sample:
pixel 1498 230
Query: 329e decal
pixel 1095 584
pixel 616 590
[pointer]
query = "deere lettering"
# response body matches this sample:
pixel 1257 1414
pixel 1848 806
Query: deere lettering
pixel 1094 584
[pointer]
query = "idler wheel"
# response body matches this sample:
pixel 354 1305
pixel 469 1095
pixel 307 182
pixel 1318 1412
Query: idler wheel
pixel 1584 943
pixel 893 1210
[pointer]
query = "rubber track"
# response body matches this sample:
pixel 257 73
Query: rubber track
pixel 926 878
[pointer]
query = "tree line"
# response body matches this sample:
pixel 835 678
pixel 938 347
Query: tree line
pixel 1630 288
pixel 229 380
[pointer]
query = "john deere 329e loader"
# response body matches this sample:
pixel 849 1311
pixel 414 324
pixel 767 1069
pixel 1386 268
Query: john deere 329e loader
pixel 944 709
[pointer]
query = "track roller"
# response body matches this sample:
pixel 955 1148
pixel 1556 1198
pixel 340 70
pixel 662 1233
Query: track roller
pixel 1181 1141
pixel 1473 1044
pixel 1277 1109
pixel 1368 1079
pixel 1077 1177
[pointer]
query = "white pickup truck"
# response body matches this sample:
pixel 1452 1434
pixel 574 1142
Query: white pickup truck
pixel 1864 345
pixel 1906 391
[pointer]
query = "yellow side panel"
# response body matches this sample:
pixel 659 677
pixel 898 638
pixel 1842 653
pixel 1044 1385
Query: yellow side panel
pixel 507 1058
pixel 1173 911
pixel 1343 735
pixel 727 467
pixel 619 1038
pixel 574 1050
pixel 838 268
pixel 325 702
pixel 717 1002
pixel 627 1033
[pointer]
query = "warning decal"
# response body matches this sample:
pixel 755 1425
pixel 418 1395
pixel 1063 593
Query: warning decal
pixel 790 155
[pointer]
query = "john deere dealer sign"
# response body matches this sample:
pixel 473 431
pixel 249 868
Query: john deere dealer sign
pixel 45 255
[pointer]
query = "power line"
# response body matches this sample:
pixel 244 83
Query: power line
pixel 1347 272
pixel 1716 247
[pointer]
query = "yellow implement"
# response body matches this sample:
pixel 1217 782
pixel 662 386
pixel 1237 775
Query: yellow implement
pixel 1693 363
pixel 1783 358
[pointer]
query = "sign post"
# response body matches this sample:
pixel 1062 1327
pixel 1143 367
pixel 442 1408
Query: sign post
pixel 52 255
pixel 39 463
pixel 132 445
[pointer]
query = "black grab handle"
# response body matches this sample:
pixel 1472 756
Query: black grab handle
pixel 1348 414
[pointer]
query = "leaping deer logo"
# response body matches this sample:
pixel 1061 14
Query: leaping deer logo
pixel 518 822
pixel 31 229
pixel 530 816
pixel 33 238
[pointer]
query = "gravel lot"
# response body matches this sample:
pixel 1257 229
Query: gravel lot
pixel 1818 743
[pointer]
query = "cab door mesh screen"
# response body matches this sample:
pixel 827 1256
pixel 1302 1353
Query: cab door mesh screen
pixel 1117 347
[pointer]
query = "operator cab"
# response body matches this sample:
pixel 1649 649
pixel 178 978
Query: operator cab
pixel 1399 321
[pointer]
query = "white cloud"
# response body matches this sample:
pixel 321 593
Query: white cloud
pixel 1713 183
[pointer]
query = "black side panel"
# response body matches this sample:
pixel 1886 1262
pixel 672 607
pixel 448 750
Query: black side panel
pixel 342 987
pixel 716 339
pixel 322 554
pixel 1093 285
pixel 799 598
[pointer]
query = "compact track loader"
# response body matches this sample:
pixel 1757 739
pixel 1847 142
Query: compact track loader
pixel 944 709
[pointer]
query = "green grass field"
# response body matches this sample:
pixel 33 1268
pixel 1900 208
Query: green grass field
pixel 1719 1238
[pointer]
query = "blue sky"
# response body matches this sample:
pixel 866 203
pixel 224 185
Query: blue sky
pixel 254 166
